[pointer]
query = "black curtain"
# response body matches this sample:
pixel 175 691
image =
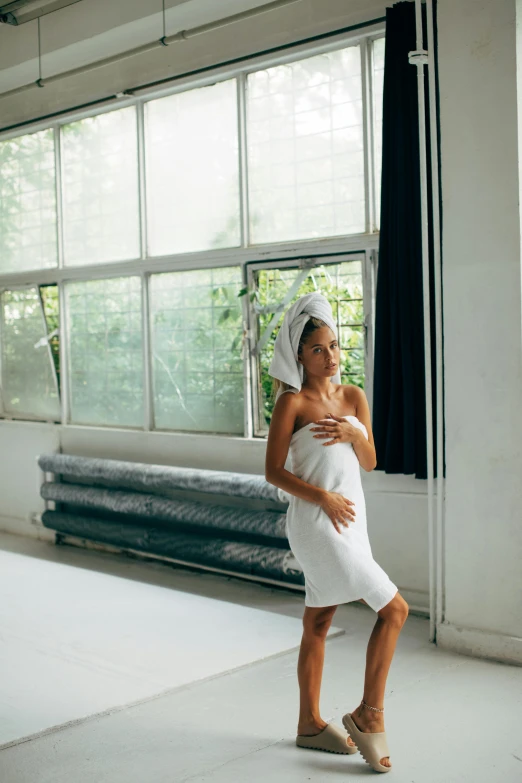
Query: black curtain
pixel 399 402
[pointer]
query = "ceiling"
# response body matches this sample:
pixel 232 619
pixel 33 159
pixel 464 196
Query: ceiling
pixel 84 31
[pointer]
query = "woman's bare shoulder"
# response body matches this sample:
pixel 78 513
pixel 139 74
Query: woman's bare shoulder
pixel 287 404
pixel 354 396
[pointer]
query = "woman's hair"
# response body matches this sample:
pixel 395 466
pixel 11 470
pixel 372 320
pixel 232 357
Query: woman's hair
pixel 310 326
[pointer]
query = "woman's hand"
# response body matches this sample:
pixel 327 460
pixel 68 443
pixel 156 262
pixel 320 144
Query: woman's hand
pixel 337 428
pixel 338 508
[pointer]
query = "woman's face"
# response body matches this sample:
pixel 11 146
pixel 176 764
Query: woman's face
pixel 320 352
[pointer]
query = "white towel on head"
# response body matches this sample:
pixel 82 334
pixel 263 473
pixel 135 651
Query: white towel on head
pixel 284 364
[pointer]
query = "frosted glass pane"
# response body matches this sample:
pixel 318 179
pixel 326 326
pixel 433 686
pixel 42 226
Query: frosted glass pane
pixel 28 238
pixel 378 77
pixel 196 346
pixel 106 361
pixel 305 148
pixel 28 379
pixel 192 170
pixel 100 188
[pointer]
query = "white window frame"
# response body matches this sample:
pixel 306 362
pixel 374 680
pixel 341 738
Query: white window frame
pixel 368 260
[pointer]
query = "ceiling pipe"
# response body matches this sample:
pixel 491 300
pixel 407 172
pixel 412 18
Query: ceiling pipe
pixel 182 35
pixel 22 11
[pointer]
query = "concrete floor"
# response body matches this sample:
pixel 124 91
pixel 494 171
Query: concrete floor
pixel 78 642
pixel 240 725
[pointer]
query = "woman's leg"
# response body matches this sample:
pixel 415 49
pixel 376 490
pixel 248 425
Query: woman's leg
pixel 379 654
pixel 316 622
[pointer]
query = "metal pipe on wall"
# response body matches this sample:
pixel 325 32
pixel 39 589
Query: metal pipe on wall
pixel 437 253
pixel 182 35
pixel 420 58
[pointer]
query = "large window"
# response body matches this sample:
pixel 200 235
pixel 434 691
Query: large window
pixel 174 230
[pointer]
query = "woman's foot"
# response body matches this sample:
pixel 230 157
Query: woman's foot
pixel 370 721
pixel 305 729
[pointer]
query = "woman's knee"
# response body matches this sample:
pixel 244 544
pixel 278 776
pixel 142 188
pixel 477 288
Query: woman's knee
pixel 317 620
pixel 396 611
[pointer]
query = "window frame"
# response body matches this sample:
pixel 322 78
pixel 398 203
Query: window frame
pixel 271 253
pixel 367 258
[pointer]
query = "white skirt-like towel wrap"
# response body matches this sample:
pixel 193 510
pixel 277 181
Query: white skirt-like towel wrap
pixel 337 567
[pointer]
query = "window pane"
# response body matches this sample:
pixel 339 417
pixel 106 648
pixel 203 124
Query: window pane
pixel 100 188
pixel 50 301
pixel 343 287
pixel 28 203
pixel 197 357
pixel 106 361
pixel 305 148
pixel 28 379
pixel 192 170
pixel 378 76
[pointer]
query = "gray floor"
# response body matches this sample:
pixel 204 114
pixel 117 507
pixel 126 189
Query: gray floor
pixel 78 642
pixel 441 708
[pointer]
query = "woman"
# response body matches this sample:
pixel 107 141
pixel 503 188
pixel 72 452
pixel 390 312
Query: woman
pixel 326 427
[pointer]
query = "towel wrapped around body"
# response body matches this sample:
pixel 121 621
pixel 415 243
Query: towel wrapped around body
pixel 338 567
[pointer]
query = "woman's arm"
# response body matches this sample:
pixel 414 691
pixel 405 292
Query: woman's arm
pixel 290 483
pixel 278 443
pixel 364 448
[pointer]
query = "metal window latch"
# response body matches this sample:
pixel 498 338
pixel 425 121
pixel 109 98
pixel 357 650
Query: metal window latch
pixel 247 336
pixel 418 57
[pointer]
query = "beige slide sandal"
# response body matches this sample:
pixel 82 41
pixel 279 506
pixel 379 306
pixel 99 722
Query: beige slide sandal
pixel 372 745
pixel 331 738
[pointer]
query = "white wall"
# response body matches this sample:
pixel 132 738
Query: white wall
pixel 482 314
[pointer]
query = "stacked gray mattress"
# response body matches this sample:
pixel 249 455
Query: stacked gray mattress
pixel 228 521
